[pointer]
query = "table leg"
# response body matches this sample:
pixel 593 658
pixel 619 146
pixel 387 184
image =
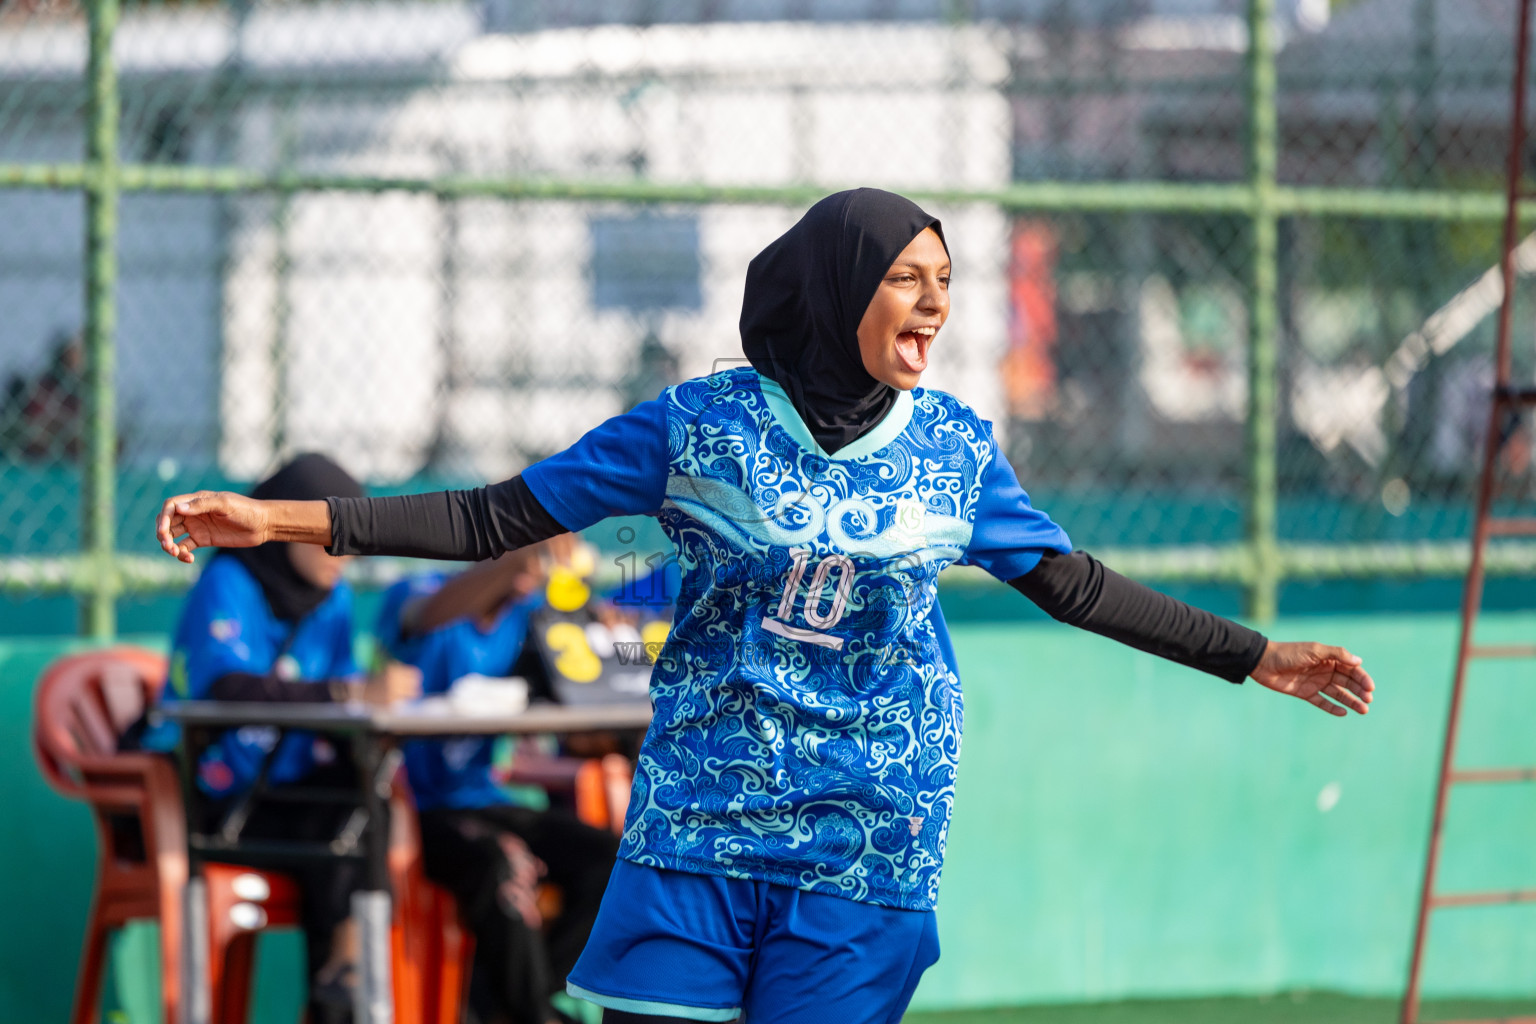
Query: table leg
pixel 372 908
pixel 196 1000
pixel 375 999
pixel 196 997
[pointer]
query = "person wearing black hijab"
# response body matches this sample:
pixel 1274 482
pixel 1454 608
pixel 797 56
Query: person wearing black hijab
pixel 806 294
pixel 293 580
pixel 274 623
pixel 792 796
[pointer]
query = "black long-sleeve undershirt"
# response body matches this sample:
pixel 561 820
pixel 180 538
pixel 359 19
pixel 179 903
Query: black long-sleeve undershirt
pixel 467 526
pixel 1076 589
pixel 1079 590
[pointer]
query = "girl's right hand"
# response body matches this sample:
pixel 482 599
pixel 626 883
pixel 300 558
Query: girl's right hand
pixel 211 519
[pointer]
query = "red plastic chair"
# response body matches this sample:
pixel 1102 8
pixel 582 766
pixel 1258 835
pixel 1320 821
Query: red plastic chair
pixel 598 787
pixel 242 903
pixel 433 950
pixel 618 780
pixel 82 705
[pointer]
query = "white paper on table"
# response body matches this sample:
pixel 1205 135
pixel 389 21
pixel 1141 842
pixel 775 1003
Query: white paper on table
pixel 476 694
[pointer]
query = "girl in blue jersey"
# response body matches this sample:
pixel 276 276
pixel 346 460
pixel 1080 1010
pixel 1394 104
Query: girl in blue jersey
pixel 786 831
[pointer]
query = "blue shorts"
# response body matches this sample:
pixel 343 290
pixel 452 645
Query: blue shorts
pixel 702 947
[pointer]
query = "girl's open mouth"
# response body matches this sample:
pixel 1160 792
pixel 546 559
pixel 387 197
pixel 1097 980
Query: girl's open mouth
pixel 912 348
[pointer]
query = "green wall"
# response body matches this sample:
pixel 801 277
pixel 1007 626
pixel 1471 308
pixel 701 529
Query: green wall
pixel 47 867
pixel 47 858
pixel 1123 827
pixel 1127 826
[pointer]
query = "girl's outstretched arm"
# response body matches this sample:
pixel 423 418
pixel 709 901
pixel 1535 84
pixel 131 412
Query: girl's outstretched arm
pixel 618 468
pixel 1019 544
pixel 464 525
pixel 467 526
pixel 1079 590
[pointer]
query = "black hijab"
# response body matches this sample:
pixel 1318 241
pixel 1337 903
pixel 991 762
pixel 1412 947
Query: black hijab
pixel 805 296
pixel 306 478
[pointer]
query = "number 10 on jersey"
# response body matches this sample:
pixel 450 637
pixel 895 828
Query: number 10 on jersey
pixel 814 615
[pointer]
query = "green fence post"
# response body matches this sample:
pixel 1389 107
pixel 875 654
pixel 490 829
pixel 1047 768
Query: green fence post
pixel 98 495
pixel 1263 315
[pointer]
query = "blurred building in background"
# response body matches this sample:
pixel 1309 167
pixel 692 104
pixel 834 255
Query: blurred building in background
pixel 469 336
pixel 459 332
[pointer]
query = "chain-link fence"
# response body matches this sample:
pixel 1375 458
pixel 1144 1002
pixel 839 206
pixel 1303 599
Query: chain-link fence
pixel 1224 271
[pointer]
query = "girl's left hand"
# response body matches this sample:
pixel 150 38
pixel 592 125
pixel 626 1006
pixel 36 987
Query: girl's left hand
pixel 1316 673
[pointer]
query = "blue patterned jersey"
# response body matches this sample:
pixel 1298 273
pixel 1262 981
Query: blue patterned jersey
pixel 807 724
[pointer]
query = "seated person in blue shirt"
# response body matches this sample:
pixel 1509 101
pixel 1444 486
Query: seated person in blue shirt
pixel 475 842
pixel 274 623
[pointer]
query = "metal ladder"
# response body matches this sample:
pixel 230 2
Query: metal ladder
pixel 1506 402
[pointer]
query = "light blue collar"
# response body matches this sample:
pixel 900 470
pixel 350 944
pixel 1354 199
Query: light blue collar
pixel 887 430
